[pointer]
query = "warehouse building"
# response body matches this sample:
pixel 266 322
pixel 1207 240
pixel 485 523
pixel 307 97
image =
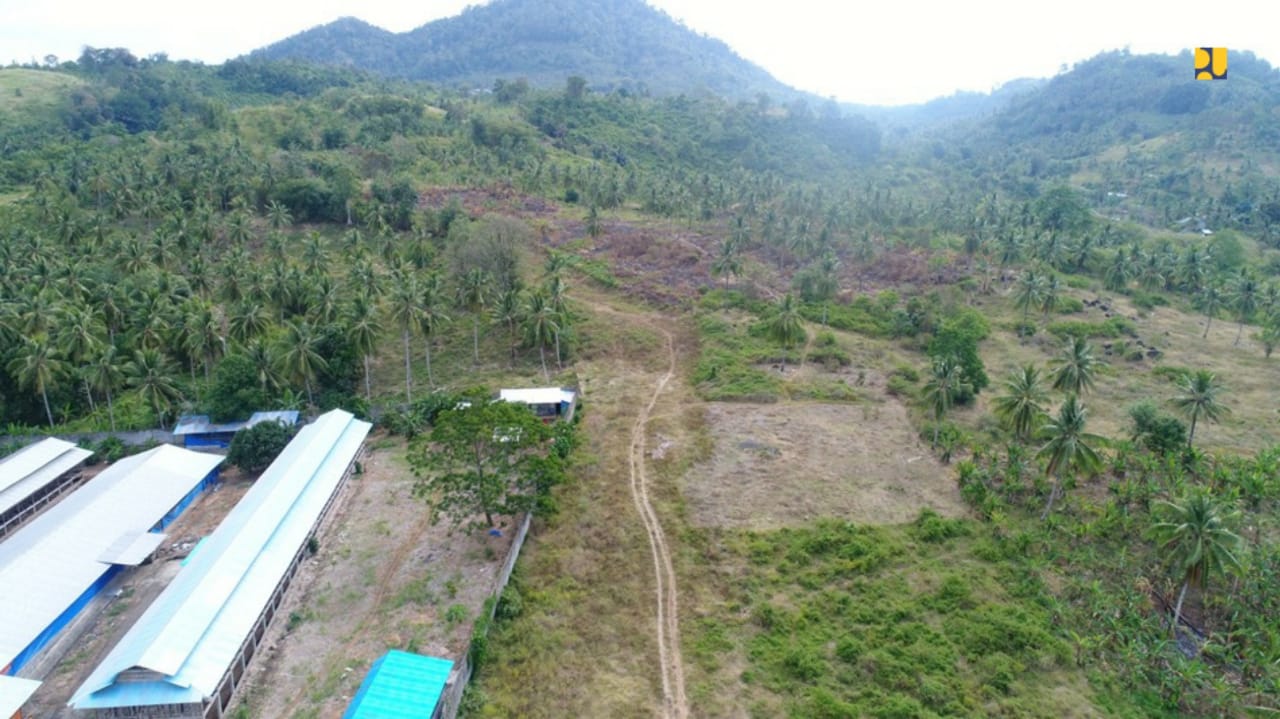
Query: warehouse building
pixel 55 565
pixel 34 476
pixel 189 651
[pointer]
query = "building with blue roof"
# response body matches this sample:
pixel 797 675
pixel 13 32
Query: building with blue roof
pixel 195 430
pixel 402 686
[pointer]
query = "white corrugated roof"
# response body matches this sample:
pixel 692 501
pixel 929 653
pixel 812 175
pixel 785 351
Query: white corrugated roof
pixel 49 563
pixel 15 692
pixel 132 548
pixel 537 395
pixel 194 629
pixel 26 471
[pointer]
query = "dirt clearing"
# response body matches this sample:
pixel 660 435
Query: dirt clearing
pixel 384 578
pixel 786 464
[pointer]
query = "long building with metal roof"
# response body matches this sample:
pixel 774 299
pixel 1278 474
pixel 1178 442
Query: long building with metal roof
pixel 188 652
pixel 34 476
pixel 51 568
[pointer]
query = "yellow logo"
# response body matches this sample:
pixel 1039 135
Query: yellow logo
pixel 1211 63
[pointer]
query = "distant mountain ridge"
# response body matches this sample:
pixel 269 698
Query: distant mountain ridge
pixel 611 43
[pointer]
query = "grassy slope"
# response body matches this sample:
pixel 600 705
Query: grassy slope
pixel 28 93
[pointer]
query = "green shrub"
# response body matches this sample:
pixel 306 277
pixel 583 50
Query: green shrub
pixel 932 527
pixel 254 448
pixel 1069 305
pixel 1148 300
pixel 1112 328
pixel 1158 432
pixel 906 372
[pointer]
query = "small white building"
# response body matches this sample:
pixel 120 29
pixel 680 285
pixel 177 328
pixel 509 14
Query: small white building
pixel 549 403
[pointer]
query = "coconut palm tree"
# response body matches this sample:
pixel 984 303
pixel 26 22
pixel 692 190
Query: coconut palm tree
pixel 540 325
pixel 104 375
pixel 946 382
pixel 473 296
pixel 36 366
pixel 1050 295
pixel 1067 446
pixel 151 373
pixel 1022 404
pixel 365 329
pixel 406 312
pixel 264 360
pixel 785 327
pixel 432 316
pixel 1028 292
pixel 1210 300
pixel 1075 367
pixel 1198 397
pixel 728 262
pixel 1197 541
pixel 508 310
pixel 300 356
pixel 1245 291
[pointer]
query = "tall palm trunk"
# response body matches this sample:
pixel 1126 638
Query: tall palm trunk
pixel 1206 328
pixel 111 410
pixel 408 374
pixel 475 340
pixel 542 352
pixel 559 362
pixel 44 394
pixel 88 392
pixel 1053 495
pixel 1192 434
pixel 1177 610
pixel 431 383
pixel 1239 331
pixel 368 389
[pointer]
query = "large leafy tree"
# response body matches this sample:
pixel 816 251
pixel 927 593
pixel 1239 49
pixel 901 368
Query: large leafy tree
pixel 1075 367
pixel 1195 536
pixel 1198 396
pixel 1068 448
pixel 478 462
pixel 1021 405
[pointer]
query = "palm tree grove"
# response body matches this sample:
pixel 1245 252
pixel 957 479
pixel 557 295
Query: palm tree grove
pixel 965 408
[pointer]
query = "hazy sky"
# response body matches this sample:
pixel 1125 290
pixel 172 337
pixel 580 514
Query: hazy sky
pixel 894 51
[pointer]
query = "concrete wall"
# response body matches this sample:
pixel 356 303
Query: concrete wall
pixel 451 699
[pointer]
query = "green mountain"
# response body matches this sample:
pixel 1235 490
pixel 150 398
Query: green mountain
pixel 612 43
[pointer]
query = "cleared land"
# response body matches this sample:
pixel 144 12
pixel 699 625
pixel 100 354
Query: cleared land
pixel 786 464
pixel 384 578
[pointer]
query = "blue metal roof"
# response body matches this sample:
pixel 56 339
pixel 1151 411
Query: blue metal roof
pixel 192 632
pixel 401 686
pixel 199 423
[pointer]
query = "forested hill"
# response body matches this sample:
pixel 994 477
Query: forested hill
pixel 1137 133
pixel 611 43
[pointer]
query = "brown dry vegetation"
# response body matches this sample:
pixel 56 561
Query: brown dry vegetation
pixel 784 464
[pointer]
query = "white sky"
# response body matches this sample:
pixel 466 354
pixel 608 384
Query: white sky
pixel 891 52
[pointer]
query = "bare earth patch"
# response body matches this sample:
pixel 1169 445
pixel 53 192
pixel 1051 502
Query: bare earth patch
pixel 384 578
pixel 778 465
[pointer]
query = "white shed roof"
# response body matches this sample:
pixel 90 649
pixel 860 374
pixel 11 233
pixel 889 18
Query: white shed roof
pixel 29 469
pixel 15 692
pixel 537 395
pixel 194 629
pixel 50 562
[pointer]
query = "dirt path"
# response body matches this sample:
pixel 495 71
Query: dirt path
pixel 675 702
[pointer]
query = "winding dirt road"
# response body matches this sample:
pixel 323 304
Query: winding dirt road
pixel 675 703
